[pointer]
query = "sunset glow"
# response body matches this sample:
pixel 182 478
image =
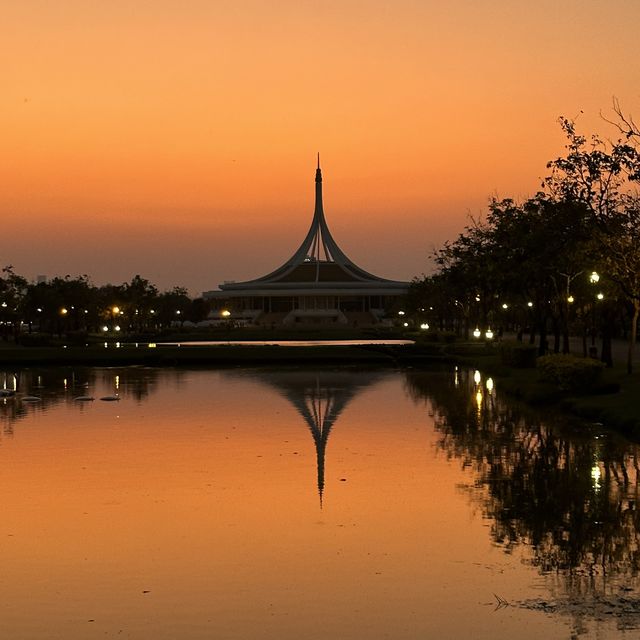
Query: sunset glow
pixel 178 140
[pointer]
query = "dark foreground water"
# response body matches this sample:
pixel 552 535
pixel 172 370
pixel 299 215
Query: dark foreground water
pixel 333 503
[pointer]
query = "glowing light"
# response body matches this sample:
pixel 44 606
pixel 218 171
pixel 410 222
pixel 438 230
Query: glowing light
pixel 105 328
pixel 570 299
pixel 400 313
pixel 596 475
pixel 152 345
pixel 477 333
pixel 477 298
pixel 488 334
pixel 117 327
pixel 4 304
pixel 64 311
pixel 226 313
pixel 600 296
pixel 405 324
pixel 116 310
pixel 117 378
pixel 477 378
pixel 479 400
pixel 529 304
pixel 424 325
pixel 152 311
pixel 489 384
pixel 594 277
pixel 505 306
pixel 39 310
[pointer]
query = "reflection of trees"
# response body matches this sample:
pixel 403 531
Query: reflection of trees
pixel 61 384
pixel 319 396
pixel 570 496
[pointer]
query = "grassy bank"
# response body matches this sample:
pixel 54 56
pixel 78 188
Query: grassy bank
pixel 190 355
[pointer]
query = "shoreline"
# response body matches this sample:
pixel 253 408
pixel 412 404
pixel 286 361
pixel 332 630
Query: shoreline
pixel 613 405
pixel 183 355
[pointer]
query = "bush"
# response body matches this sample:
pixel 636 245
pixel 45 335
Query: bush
pixel 77 338
pixel 518 355
pixel 421 337
pixel 570 373
pixel 34 340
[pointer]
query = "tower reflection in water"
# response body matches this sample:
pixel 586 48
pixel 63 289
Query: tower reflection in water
pixel 320 397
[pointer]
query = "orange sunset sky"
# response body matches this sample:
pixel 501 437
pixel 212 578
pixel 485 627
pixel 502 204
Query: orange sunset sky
pixel 178 139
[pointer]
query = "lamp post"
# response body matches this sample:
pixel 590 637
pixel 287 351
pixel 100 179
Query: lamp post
pixel 115 312
pixel 594 278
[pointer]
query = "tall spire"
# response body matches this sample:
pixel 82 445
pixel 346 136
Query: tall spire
pixel 320 250
pixel 318 216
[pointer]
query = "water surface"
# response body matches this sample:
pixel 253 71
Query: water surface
pixel 328 503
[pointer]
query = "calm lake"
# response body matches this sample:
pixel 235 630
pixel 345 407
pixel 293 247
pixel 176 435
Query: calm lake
pixel 297 503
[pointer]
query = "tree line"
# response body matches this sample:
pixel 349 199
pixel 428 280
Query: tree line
pixel 67 305
pixel 565 261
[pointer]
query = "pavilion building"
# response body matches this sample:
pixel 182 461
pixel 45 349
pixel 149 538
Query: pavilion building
pixel 319 284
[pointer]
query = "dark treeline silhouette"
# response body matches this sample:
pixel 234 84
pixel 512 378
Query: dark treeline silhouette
pixel 566 261
pixel 74 305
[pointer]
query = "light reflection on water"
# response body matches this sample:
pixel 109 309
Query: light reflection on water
pixel 287 503
pixel 261 343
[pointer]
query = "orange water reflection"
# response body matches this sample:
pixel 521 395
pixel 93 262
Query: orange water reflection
pixel 190 509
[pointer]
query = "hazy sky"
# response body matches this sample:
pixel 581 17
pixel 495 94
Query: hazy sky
pixel 177 139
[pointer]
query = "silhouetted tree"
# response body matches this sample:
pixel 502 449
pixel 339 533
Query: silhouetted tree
pixel 12 291
pixel 597 175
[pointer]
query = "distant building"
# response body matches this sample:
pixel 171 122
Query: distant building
pixel 319 284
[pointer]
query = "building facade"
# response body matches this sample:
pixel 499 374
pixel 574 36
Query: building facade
pixel 319 284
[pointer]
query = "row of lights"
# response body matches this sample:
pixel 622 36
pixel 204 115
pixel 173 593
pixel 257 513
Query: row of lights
pixel 488 334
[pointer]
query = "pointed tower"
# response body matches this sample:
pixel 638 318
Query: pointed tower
pixel 318 283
